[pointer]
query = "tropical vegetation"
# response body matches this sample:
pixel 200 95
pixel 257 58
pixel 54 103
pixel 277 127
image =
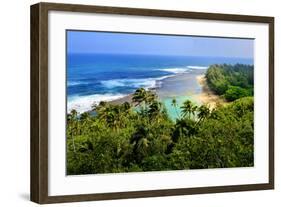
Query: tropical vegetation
pixel 231 81
pixel 140 136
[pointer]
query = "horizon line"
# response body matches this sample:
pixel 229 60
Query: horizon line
pixel 145 54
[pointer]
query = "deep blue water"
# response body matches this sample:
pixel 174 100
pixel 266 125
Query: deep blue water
pixel 95 77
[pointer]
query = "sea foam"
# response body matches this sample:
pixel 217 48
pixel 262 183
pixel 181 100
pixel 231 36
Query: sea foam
pixel 146 83
pixel 183 69
pixel 197 67
pixel 84 103
pixel 174 70
pixel 75 83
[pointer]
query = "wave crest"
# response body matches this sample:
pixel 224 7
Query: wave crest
pixel 84 103
pixel 136 83
pixel 197 67
pixel 75 83
pixel 174 70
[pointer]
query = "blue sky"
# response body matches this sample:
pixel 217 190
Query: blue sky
pixel 123 43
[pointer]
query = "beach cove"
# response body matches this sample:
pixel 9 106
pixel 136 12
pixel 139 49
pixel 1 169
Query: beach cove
pixel 92 78
pixel 183 86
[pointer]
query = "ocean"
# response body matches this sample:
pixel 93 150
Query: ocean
pixel 92 78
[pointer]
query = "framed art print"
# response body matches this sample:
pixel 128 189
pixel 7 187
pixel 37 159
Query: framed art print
pixel 129 103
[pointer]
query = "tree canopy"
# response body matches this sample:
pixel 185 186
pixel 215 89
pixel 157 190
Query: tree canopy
pixel 141 137
pixel 231 81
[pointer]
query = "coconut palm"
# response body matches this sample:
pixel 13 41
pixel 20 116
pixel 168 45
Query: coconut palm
pixel 143 96
pixel 126 106
pixel 184 128
pixel 112 117
pixel 203 112
pixel 175 105
pixel 140 142
pixel 96 107
pixel 150 97
pixel 188 109
pixel 104 112
pixel 154 110
pixel 139 96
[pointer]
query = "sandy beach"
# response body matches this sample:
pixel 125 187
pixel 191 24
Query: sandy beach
pixel 182 85
pixel 186 86
pixel 124 99
pixel 207 96
pixel 192 86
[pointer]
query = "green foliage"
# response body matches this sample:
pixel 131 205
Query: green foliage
pixel 232 81
pixel 236 92
pixel 188 109
pixel 141 137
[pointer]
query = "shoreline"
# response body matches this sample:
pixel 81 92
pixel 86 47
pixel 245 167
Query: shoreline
pixel 127 98
pixel 181 84
pixel 207 96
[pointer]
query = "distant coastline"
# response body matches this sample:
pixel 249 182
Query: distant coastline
pixel 190 86
pixel 202 95
pixel 182 85
pixel 92 78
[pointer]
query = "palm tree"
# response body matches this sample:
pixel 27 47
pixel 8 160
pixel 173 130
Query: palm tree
pixel 194 109
pixel 100 106
pixel 104 112
pixel 175 105
pixel 126 106
pixel 150 97
pixel 154 110
pixel 118 117
pixel 184 128
pixel 139 96
pixel 143 96
pixel 115 115
pixel 140 142
pixel 203 112
pixel 110 116
pixel 188 108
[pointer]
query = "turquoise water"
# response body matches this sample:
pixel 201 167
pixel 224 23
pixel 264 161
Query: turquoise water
pixel 181 87
pixel 175 112
pixel 92 78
